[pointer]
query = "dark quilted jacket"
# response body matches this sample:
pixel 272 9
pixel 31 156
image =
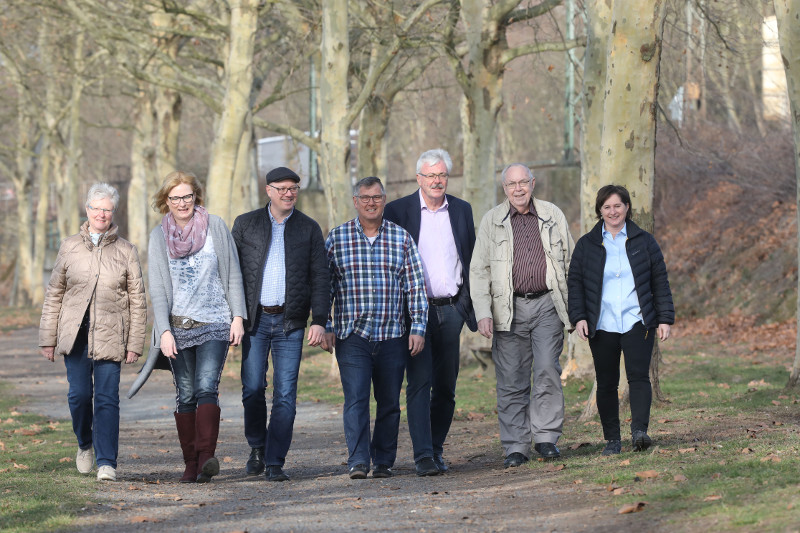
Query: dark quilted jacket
pixel 585 280
pixel 307 275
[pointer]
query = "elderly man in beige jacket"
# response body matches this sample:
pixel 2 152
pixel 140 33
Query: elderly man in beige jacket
pixel 519 291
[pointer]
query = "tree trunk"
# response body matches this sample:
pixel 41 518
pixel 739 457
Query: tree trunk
pixel 788 15
pixel 246 197
pixel 140 216
pixel 235 107
pixel 372 149
pixel 335 137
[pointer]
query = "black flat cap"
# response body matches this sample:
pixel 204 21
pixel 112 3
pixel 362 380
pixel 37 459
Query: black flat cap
pixel 280 174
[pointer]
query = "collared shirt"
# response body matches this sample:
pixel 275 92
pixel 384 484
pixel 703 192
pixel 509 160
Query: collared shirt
pixel 437 247
pixel 370 282
pixel 273 283
pixel 619 307
pixel 529 270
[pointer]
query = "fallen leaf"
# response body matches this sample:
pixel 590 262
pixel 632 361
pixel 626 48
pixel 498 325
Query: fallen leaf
pixel 618 492
pixel 229 513
pixel 687 450
pixel 475 416
pixel 723 386
pixel 612 487
pixel 227 460
pixel 555 468
pixel 780 397
pixel 716 475
pixel 775 402
pixel 161 450
pixel 771 457
pixel 134 487
pixel 632 507
pixel 135 456
pixel 703 394
pixel 142 519
pixel 680 477
pixel 712 498
pixel 20 466
pixel 626 462
pixel 747 450
pixel 65 460
pixel 776 423
pixel 2 446
pixel 577 482
pixel 647 474
pixel 15 413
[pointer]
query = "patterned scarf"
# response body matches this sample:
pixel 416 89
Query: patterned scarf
pixel 183 242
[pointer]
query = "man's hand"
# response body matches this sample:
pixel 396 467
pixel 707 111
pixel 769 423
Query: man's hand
pixel 582 327
pixel 663 332
pixel 131 357
pixel 415 344
pixel 167 345
pixel 328 342
pixel 237 331
pixel 485 327
pixel 316 335
pixel 49 353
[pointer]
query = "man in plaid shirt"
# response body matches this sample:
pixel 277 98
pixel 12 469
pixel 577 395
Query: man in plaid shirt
pixel 375 272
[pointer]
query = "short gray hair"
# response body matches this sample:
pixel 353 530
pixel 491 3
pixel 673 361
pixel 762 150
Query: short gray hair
pixel 99 191
pixel 512 165
pixel 431 157
pixel 368 182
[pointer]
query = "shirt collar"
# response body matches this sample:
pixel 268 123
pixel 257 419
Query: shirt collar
pixel 512 212
pixel 272 218
pixel 623 231
pixel 360 229
pixel 424 206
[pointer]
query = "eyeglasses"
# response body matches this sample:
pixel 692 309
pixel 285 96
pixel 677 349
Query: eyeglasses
pixel 175 200
pixel 104 211
pixel 522 184
pixel 364 199
pixel 286 190
pixel 441 176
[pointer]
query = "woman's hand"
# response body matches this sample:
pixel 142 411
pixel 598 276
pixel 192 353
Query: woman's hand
pixel 131 357
pixel 237 331
pixel 582 327
pixel 49 353
pixel 663 332
pixel 168 347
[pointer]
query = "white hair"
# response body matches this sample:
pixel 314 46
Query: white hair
pixel 99 191
pixel 432 157
pixel 512 165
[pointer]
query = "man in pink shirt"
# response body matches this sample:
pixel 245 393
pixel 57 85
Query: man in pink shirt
pixel 443 228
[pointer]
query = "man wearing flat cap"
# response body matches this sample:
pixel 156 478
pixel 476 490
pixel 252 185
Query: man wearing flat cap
pixel 286 278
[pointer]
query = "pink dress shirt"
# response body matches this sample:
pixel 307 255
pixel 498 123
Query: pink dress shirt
pixel 437 247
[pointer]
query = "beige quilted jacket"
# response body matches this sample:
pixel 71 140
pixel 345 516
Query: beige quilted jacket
pixel 106 279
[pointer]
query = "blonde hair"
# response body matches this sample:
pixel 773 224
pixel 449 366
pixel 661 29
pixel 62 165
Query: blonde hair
pixel 172 180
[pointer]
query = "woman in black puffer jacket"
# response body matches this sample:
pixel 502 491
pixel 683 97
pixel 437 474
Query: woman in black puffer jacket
pixel 619 298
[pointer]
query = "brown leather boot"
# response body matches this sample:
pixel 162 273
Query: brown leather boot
pixel 205 442
pixel 186 431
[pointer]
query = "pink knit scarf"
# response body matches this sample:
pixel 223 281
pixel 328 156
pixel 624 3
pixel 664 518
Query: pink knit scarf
pixel 183 242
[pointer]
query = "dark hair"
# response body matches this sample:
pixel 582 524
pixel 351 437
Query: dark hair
pixel 607 192
pixel 366 183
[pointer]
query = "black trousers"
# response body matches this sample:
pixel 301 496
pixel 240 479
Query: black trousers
pixel 637 345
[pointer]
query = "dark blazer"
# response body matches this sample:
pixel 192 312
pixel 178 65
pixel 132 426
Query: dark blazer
pixel 585 279
pixel 406 213
pixel 308 286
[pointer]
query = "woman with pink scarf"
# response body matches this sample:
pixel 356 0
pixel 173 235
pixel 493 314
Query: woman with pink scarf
pixel 198 302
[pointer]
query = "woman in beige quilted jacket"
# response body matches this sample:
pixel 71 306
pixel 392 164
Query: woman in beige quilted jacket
pixel 94 315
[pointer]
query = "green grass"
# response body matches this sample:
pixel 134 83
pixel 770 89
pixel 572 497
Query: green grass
pixel 40 489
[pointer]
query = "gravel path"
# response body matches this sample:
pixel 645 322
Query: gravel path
pixel 476 495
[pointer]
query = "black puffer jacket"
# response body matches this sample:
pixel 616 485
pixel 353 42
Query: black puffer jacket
pixel 308 286
pixel 585 280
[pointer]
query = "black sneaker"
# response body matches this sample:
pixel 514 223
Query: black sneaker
pixel 359 472
pixel 439 462
pixel 641 441
pixel 426 467
pixel 514 459
pixel 276 473
pixel 380 471
pixel 255 464
pixel 613 447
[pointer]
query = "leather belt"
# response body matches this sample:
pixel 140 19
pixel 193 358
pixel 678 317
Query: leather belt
pixel 531 295
pixel 272 309
pixel 184 322
pixel 446 300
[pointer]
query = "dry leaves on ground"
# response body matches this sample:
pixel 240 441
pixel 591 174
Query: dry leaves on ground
pixel 632 507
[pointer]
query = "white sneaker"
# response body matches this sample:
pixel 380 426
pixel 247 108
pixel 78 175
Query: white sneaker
pixel 85 460
pixel 106 473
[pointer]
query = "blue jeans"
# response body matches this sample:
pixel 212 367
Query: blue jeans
pixel 196 372
pixel 382 363
pixel 98 427
pixel 432 375
pixel 286 348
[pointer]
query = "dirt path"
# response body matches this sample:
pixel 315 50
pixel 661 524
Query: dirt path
pixel 476 495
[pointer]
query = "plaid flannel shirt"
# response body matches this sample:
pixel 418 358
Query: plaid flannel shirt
pixel 370 283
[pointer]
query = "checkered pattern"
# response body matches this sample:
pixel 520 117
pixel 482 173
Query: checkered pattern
pixel 371 282
pixel 273 286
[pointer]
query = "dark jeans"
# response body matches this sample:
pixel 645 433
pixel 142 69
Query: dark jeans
pixel 196 372
pixel 99 380
pixel 432 375
pixel 637 345
pixel 382 363
pixel 286 349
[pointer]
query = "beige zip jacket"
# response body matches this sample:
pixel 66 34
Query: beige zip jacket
pixel 106 279
pixel 491 286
